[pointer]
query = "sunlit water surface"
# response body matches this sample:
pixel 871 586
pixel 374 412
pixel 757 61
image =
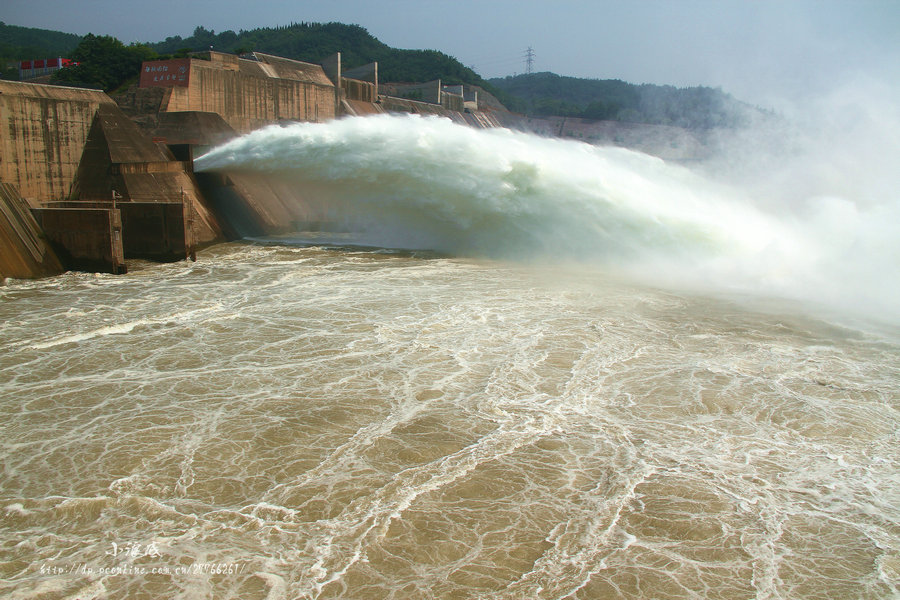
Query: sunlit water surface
pixel 284 421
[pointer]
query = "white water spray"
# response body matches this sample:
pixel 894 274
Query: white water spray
pixel 427 183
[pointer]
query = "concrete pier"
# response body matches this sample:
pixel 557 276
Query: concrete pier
pixel 85 239
pixel 121 161
pixel 160 231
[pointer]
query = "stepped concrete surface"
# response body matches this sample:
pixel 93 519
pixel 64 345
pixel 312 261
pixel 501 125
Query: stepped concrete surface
pixel 24 251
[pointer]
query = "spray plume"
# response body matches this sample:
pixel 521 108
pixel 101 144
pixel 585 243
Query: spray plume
pixel 427 183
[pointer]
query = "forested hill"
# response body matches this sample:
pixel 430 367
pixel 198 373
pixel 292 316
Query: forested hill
pixel 544 94
pixel 313 42
pixel 24 43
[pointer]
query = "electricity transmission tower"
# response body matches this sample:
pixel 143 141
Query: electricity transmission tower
pixel 529 60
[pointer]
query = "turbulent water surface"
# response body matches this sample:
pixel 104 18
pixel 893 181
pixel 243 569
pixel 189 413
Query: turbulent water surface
pixel 291 419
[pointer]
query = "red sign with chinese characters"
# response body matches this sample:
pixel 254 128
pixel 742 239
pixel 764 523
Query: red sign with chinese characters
pixel 166 73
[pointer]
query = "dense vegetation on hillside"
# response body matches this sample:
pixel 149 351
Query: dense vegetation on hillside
pixel 104 63
pixel 545 94
pixel 26 43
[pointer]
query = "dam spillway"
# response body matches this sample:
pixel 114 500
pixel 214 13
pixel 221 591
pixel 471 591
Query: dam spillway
pixel 66 148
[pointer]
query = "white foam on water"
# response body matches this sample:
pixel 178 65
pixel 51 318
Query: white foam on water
pixel 373 423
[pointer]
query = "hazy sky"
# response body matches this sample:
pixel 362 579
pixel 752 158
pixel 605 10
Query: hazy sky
pixel 754 49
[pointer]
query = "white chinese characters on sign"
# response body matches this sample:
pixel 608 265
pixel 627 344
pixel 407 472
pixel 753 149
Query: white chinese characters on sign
pixel 161 73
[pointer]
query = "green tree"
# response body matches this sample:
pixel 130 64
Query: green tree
pixel 8 73
pixel 599 110
pixel 104 63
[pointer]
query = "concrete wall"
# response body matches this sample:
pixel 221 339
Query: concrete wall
pixel 85 239
pixel 331 66
pixel 452 101
pixel 361 83
pixel 42 133
pixel 250 204
pixel 247 94
pixel 480 120
pixel 422 92
pixel 367 72
pixel 357 84
pixel 200 129
pixel 354 89
pixel 468 94
pixel 157 230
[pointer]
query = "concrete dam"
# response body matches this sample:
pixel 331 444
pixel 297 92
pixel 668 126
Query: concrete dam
pixel 87 182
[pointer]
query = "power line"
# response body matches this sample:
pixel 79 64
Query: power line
pixel 499 60
pixel 494 62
